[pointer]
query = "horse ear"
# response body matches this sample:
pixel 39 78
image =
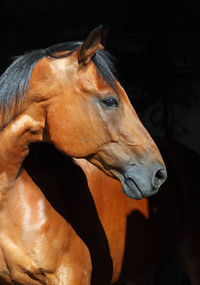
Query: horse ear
pixel 91 45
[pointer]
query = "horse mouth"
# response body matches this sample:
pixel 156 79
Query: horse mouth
pixel 136 187
pixel 129 186
pixel 131 189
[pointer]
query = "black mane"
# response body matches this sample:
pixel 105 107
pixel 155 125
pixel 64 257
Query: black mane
pixel 14 82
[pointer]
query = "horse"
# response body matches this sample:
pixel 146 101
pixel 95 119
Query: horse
pixel 67 96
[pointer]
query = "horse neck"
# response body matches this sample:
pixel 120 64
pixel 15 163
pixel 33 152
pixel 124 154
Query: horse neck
pixel 14 141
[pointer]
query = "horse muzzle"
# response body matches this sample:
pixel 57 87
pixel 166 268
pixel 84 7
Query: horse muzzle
pixel 140 181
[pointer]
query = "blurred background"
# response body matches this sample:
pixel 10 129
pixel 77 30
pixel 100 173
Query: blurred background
pixel 157 49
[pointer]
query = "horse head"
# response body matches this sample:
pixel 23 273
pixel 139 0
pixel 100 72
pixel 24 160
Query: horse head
pixel 85 112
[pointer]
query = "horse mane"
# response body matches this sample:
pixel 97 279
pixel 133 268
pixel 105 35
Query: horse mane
pixel 14 82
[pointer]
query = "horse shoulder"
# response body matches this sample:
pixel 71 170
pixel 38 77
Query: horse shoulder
pixel 35 240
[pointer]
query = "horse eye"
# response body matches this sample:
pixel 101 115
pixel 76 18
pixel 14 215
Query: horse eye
pixel 110 102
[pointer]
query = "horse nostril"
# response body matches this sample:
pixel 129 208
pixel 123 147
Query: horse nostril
pixel 159 178
pixel 161 174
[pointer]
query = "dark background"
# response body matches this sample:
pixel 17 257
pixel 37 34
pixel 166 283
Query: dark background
pixel 156 45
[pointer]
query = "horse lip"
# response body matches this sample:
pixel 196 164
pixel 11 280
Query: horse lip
pixel 133 183
pixel 130 189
